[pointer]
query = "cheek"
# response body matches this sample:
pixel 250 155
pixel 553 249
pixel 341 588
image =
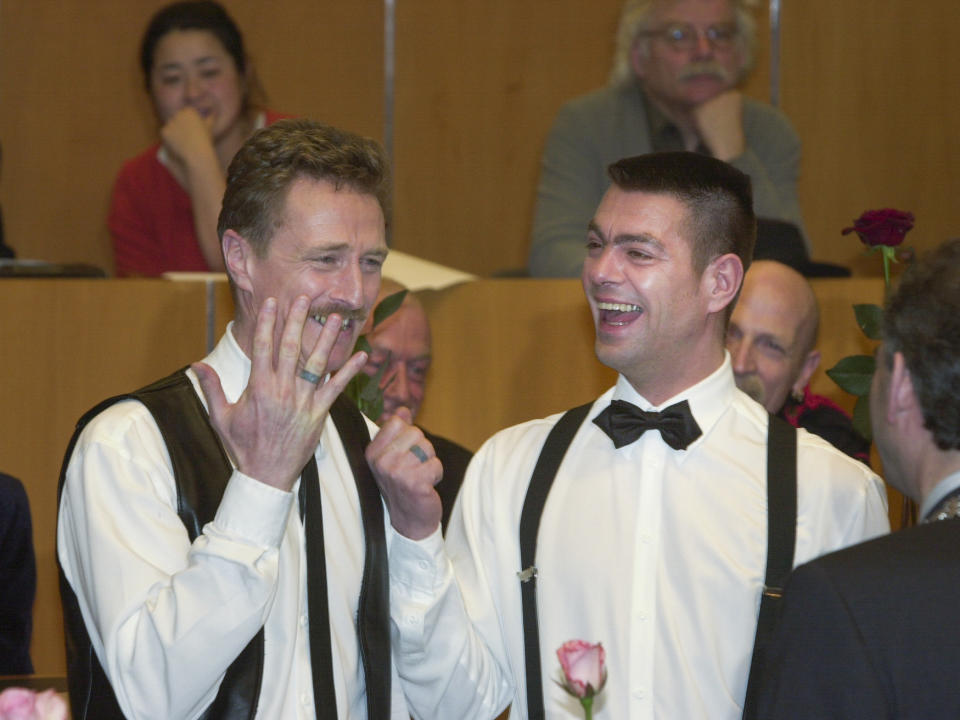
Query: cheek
pixel 166 102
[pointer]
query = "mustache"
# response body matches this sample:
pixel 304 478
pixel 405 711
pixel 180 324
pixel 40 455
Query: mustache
pixel 752 386
pixel 356 316
pixel 706 67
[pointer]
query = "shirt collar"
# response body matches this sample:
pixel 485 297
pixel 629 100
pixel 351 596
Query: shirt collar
pixel 231 364
pixel 939 493
pixel 708 399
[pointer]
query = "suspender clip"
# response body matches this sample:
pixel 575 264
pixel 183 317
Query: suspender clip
pixel 529 574
pixel 773 592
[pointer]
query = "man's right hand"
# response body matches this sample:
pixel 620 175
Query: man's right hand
pixel 276 424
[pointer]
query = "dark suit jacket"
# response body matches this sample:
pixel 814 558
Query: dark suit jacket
pixel 454 459
pixel 18 578
pixel 872 631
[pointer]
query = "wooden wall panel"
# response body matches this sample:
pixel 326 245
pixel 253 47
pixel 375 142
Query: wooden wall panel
pixel 874 93
pixel 73 107
pixel 66 345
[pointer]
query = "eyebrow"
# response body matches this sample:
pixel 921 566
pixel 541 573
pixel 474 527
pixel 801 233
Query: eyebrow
pixel 625 238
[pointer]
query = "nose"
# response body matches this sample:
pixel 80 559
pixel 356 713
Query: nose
pixel 603 268
pixel 194 87
pixel 704 46
pixel 741 356
pixel 347 287
pixel 396 385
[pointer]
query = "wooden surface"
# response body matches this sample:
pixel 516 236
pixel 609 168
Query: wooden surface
pixel 870 87
pixel 505 351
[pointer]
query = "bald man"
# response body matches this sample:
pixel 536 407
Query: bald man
pixel 771 339
pixel 402 344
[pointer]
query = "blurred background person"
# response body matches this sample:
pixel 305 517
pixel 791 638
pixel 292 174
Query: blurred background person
pixel 673 87
pixel 165 203
pixel 401 346
pixel 772 339
pixel 18 578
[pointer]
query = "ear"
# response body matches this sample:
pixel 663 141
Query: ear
pixel 237 256
pixel 721 281
pixel 638 59
pixel 901 400
pixel 810 364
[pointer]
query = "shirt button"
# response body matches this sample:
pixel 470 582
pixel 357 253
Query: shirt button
pixel 639 693
pixel 424 565
pixel 645 539
pixel 303 620
pixel 411 619
pixel 305 700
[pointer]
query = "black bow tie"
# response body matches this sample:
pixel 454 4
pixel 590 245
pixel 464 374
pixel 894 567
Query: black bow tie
pixel 624 422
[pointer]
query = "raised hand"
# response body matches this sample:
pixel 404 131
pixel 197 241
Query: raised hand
pixel 720 124
pixel 188 136
pixel 407 468
pixel 275 425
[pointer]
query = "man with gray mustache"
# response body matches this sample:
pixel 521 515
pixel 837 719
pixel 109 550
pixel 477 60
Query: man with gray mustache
pixel 673 87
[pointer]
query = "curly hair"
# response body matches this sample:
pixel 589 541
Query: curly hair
pixel 922 321
pixel 265 167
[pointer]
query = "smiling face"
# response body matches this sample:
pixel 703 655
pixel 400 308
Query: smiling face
pixel 771 334
pixel 681 79
pixel 654 315
pixel 330 246
pixel 191 68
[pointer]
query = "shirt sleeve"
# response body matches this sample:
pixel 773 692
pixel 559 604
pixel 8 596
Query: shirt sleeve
pixel 446 631
pixel 165 617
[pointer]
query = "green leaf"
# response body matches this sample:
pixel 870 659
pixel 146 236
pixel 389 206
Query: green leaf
pixel 853 374
pixel 870 320
pixel 861 417
pixel 388 306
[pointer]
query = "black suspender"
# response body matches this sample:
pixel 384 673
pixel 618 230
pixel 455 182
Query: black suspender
pixel 554 448
pixel 781 538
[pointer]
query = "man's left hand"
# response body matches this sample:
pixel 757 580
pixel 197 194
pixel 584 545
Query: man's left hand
pixel 407 468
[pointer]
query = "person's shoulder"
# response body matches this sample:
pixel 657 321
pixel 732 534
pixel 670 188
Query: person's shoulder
pixel 143 161
pixel 758 114
pixel 599 102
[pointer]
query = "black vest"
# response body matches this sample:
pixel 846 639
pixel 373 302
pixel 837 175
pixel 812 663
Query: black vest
pixel 201 471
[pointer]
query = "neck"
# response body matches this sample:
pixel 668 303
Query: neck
pixel 674 376
pixel 934 467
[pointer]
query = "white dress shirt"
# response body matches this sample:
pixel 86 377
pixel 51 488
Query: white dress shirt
pixel 657 553
pixel 166 618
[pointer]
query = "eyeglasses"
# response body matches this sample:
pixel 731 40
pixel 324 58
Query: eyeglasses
pixel 684 36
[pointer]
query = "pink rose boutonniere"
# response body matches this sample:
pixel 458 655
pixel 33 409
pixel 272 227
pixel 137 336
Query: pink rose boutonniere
pixel 22 704
pixel 584 671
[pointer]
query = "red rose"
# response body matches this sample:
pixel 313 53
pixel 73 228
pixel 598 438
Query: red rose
pixel 583 668
pixel 882 227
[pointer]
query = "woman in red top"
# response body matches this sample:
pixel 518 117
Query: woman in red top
pixel 165 203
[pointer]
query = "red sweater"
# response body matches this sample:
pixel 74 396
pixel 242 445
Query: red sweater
pixel 151 221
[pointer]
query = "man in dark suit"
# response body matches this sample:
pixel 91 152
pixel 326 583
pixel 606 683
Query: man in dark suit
pixel 871 631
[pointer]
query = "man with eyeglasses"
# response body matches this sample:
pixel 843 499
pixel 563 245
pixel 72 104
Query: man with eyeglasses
pixel 673 87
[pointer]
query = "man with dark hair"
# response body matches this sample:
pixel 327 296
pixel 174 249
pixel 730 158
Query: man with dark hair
pixel 673 87
pixel 772 341
pixel 194 513
pixel 869 632
pixel 653 543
